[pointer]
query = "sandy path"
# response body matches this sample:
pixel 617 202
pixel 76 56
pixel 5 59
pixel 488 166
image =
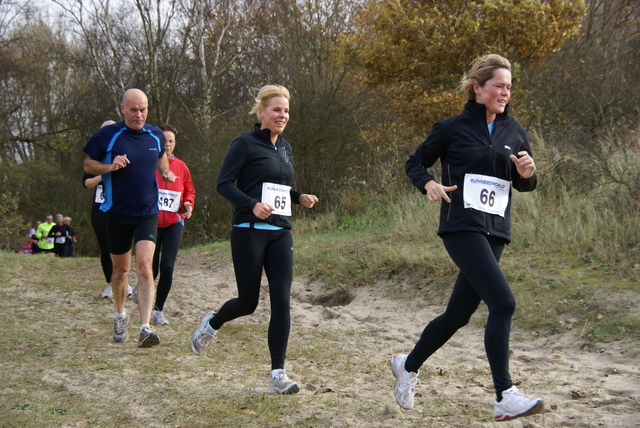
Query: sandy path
pixel 582 385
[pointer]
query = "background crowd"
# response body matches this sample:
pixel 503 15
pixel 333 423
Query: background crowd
pixel 50 237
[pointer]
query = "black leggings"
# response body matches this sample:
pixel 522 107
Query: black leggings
pixel 167 243
pixel 253 250
pixel 99 224
pixel 480 278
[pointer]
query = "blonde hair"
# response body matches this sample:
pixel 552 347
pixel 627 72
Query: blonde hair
pixel 67 219
pixel 482 69
pixel 265 94
pixel 107 122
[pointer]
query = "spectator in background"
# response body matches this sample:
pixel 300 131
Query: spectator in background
pixel 31 234
pixel 31 243
pixel 71 240
pixel 60 234
pixel 45 243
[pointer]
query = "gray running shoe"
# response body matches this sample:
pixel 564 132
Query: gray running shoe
pixel 201 337
pixel 120 333
pixel 406 382
pixel 158 318
pixel 147 338
pixel 281 384
pixel 134 293
pixel 107 293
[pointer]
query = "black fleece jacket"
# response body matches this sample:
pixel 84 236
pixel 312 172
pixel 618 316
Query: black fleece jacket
pixel 463 145
pixel 252 159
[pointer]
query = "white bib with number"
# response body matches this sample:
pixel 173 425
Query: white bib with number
pixel 60 240
pixel 486 193
pixel 169 200
pixel 278 196
pixel 99 195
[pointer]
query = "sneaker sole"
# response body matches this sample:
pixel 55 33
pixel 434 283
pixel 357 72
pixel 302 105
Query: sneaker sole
pixel 293 389
pixel 121 339
pixel 149 341
pixel 537 408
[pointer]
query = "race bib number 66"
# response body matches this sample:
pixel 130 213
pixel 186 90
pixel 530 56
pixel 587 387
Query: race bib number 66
pixel 486 193
pixel 278 196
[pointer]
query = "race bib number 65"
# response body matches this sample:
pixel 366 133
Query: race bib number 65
pixel 486 193
pixel 277 195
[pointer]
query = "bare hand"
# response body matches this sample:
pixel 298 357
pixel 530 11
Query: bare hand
pixel 524 164
pixel 169 176
pixel 308 201
pixel 262 210
pixel 436 191
pixel 189 209
pixel 120 161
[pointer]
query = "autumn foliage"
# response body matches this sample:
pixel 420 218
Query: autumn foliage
pixel 415 52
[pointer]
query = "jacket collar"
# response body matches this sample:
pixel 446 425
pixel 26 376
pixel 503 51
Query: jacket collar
pixel 477 109
pixel 265 133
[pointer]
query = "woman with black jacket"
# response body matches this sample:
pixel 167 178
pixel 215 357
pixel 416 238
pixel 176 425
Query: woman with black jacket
pixel 255 177
pixel 483 152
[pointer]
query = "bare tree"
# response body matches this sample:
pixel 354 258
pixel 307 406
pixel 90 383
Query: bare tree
pixel 586 100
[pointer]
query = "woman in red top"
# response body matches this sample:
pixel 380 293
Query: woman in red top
pixel 175 201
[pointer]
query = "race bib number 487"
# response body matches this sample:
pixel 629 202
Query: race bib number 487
pixel 278 196
pixel 169 200
pixel 486 193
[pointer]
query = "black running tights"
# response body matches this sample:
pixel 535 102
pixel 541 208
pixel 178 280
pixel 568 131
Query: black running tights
pixel 480 278
pixel 99 224
pixel 164 259
pixel 252 250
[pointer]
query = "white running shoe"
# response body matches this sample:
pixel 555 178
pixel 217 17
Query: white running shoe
pixel 281 384
pixel 107 293
pixel 406 382
pixel 134 293
pixel 201 337
pixel 515 404
pixel 158 318
pixel 129 291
